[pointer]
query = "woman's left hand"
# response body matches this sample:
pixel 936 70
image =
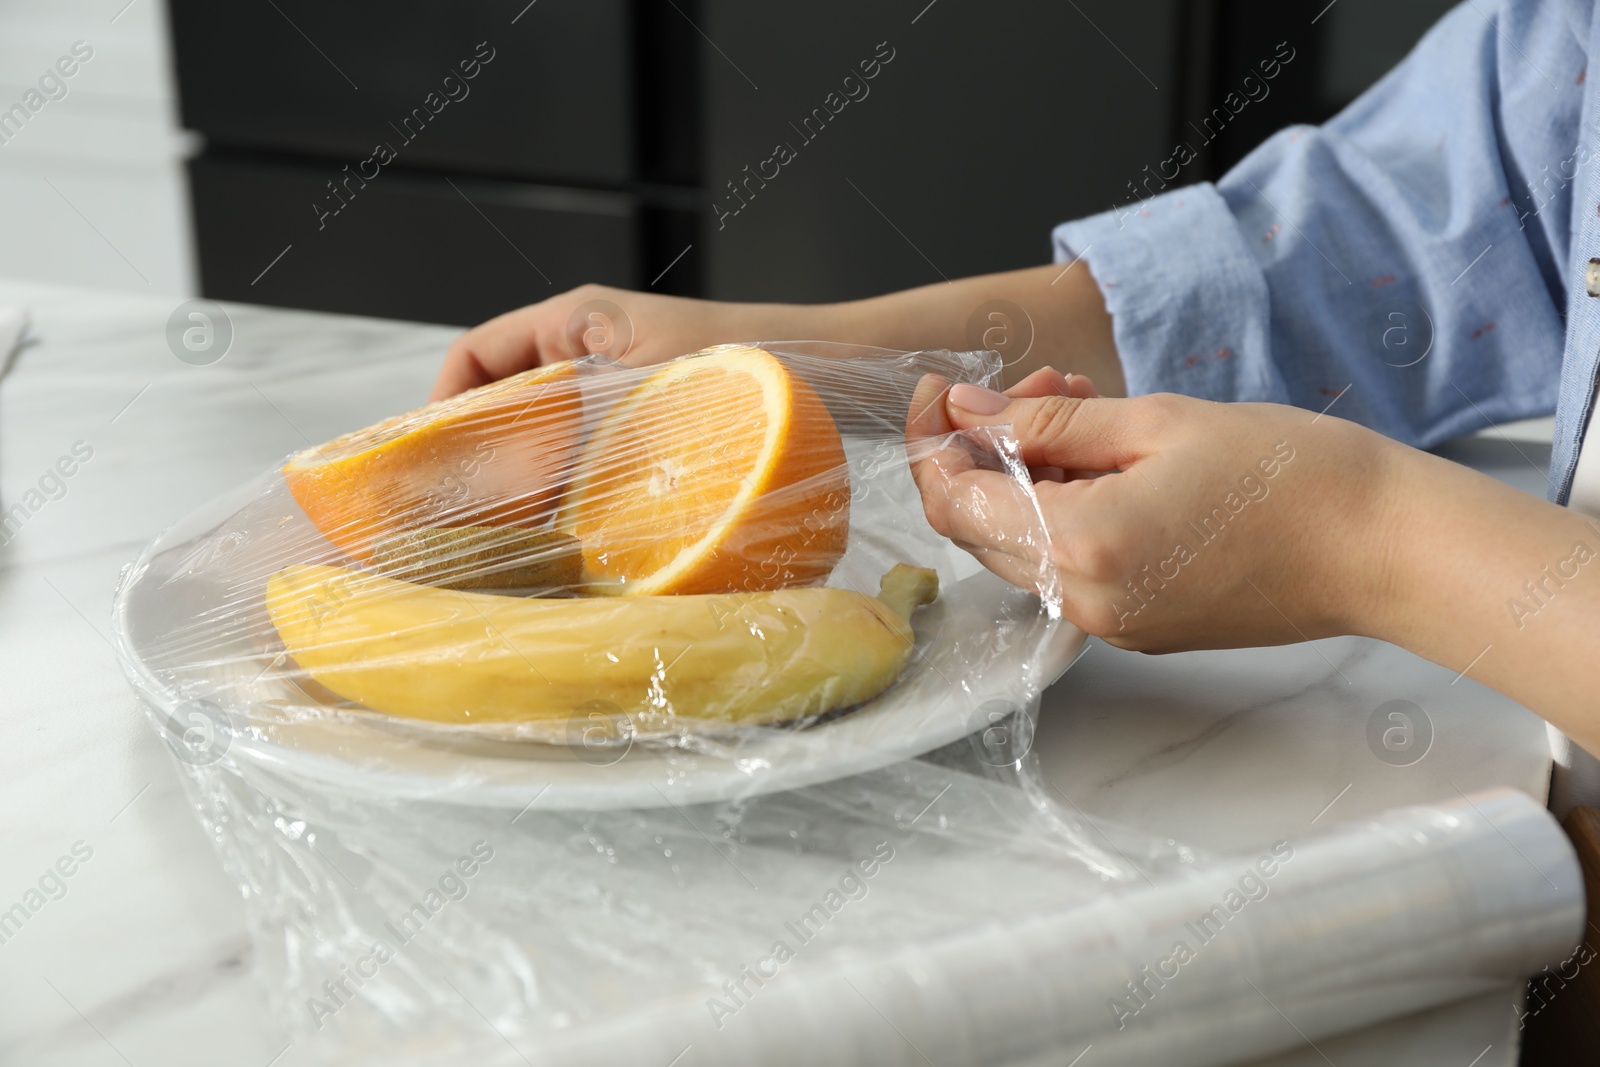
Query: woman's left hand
pixel 1169 523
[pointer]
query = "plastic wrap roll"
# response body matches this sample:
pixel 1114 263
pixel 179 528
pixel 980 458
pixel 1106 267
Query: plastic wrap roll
pixel 1254 954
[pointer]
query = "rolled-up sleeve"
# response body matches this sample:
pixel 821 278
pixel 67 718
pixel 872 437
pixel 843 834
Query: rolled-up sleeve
pixel 1404 260
pixel 1189 303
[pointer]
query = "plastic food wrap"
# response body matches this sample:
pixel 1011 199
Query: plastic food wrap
pixel 537 713
pixel 588 559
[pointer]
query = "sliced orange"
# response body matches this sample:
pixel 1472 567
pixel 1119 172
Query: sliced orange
pixel 719 472
pixel 493 456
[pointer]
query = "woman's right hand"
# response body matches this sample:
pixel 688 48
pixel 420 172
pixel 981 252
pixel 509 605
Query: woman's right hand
pixel 1168 523
pixel 636 328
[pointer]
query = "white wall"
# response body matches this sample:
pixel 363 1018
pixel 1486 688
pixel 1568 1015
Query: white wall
pixel 111 148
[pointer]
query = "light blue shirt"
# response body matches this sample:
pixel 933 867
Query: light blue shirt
pixel 1425 250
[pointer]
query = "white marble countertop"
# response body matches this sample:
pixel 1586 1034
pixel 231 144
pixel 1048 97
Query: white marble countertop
pixel 145 958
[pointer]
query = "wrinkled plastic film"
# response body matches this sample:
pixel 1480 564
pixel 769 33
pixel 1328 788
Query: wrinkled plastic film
pixel 1198 970
pixel 460 629
pixel 614 554
pixel 602 691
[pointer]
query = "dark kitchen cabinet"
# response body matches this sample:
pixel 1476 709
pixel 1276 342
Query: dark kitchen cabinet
pixel 408 245
pixel 990 123
pixel 438 162
pixel 710 147
pixel 550 98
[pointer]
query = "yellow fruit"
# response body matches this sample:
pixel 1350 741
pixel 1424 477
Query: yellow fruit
pixel 720 472
pixel 492 456
pixel 450 656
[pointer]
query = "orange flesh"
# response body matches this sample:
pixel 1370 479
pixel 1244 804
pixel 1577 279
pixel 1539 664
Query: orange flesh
pixel 494 456
pixel 720 472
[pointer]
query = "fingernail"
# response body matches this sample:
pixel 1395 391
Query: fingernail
pixel 977 399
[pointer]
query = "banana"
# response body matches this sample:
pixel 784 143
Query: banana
pixel 459 657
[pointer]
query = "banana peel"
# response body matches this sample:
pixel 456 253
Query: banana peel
pixel 460 657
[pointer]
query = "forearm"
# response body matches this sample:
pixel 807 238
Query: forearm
pixel 1071 329
pixel 1500 585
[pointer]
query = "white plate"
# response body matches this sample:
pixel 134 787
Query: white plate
pixel 191 627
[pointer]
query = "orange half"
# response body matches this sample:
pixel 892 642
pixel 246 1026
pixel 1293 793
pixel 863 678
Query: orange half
pixel 497 455
pixel 720 472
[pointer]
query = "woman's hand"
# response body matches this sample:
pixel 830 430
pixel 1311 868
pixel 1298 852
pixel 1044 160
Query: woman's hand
pixel 636 328
pixel 1169 523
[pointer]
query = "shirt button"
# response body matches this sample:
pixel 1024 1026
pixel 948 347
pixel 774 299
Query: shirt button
pixel 1591 277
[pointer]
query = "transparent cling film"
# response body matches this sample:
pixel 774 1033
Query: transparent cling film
pixel 596 556
pixel 637 714
pixel 519 711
